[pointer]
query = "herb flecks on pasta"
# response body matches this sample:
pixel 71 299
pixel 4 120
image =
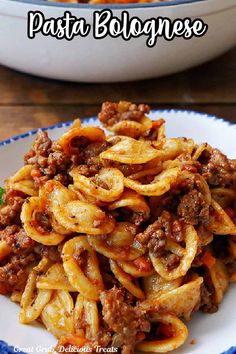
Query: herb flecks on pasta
pixel 114 240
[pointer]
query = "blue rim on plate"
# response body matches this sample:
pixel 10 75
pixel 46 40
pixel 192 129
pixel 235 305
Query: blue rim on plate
pixel 68 123
pixel 8 349
pixel 111 6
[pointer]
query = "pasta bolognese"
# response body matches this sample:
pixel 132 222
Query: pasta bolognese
pixel 114 238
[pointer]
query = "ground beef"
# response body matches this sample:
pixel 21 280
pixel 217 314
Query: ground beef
pixel 193 208
pixel 128 215
pixel 125 320
pixel 112 113
pixel 24 252
pixel 182 186
pixel 219 170
pixel 157 242
pixel 137 218
pixel 93 150
pixel 171 200
pixel 90 157
pixel 17 240
pixel 47 160
pixel 83 170
pixel 50 162
pixel 171 260
pixel 13 274
pixel 11 209
pixel 156 234
pixel 207 304
pixel 207 296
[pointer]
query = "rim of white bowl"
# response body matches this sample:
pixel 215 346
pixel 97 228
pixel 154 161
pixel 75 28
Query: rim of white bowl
pixel 68 123
pixel 110 6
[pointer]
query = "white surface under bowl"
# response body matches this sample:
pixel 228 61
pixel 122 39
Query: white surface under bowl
pixel 109 60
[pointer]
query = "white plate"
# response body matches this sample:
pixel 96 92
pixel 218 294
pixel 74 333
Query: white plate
pixel 213 333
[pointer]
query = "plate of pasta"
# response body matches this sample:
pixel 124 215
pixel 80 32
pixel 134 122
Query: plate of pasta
pixel 118 234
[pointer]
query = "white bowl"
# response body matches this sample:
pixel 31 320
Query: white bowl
pixel 110 60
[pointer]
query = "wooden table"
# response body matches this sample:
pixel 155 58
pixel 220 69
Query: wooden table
pixel 28 102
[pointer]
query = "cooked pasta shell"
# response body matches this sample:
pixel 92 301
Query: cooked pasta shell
pixel 180 301
pixel 140 267
pixel 148 170
pixel 16 296
pixel 160 185
pixel 126 280
pixel 82 217
pixel 191 241
pixel 30 208
pixel 179 330
pixel 111 180
pixel 57 315
pixel 132 128
pixel 220 222
pixel 23 173
pixel 223 196
pixel 93 134
pixel 154 284
pixel 133 201
pixel 169 149
pixel 122 235
pixel 55 279
pixel 86 318
pixel 22 181
pixel 76 123
pixel 5 250
pixel 57 227
pixel 205 236
pixel 117 245
pixel 76 215
pixel 200 149
pixel 33 300
pixel 27 187
pixel 130 151
pixel 85 277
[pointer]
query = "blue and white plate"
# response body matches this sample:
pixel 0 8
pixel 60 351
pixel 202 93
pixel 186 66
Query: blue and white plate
pixel 214 333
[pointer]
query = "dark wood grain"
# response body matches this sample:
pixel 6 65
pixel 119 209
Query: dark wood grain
pixel 28 102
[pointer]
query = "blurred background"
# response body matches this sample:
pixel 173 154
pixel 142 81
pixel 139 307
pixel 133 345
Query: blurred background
pixel 28 102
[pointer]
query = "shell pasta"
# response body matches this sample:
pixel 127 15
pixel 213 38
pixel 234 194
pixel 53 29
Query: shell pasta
pixel 116 239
